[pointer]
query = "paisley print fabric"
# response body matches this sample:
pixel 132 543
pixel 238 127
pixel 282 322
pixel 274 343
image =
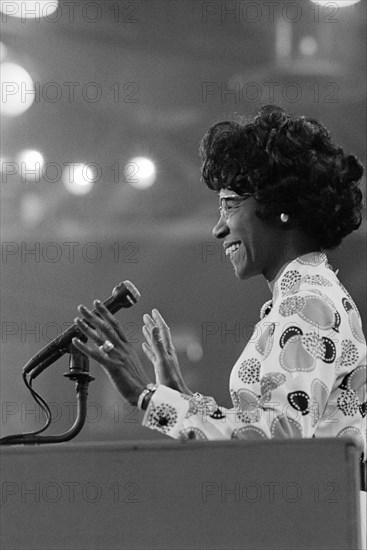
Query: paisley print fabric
pixel 304 376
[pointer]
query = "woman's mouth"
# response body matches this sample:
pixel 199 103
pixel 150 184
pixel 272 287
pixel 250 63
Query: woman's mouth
pixel 232 250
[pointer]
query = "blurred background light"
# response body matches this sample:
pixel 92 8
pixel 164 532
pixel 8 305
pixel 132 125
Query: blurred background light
pixel 339 3
pixel 187 341
pixel 17 89
pixel 194 351
pixel 28 9
pixel 140 172
pixel 30 164
pixel 308 45
pixel 79 178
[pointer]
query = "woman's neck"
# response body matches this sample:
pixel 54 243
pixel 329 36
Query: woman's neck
pixel 293 249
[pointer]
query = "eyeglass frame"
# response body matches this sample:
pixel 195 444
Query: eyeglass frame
pixel 223 208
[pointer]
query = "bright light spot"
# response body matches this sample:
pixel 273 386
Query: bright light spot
pixel 3 51
pixel 30 164
pixel 339 3
pixel 32 209
pixel 17 90
pixel 140 172
pixel 79 178
pixel 308 45
pixel 194 351
pixel 28 9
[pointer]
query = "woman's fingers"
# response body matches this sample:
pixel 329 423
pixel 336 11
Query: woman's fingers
pixel 148 352
pixel 152 331
pixel 159 322
pixel 106 325
pixel 90 319
pixel 154 342
pixel 86 329
pixel 111 319
pixel 148 323
pixel 160 351
pixel 157 342
pixel 163 327
pixel 93 352
pixel 147 335
pixel 158 337
pixel 159 319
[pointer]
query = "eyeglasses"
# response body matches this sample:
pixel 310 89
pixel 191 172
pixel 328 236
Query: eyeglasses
pixel 228 205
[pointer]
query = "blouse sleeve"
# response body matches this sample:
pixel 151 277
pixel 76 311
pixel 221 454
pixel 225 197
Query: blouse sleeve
pixel 183 417
pixel 281 384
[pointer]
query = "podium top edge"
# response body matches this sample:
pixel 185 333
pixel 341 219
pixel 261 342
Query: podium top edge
pixel 158 445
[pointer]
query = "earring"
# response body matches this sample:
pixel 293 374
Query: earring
pixel 284 218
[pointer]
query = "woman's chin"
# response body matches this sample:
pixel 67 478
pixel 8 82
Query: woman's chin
pixel 244 270
pixel 240 270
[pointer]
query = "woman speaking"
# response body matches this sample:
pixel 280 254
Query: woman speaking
pixel 286 194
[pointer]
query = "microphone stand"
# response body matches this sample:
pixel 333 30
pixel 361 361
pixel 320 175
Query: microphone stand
pixel 123 295
pixel 78 372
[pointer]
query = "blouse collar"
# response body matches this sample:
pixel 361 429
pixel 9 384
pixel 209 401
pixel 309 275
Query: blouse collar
pixel 298 267
pixel 290 275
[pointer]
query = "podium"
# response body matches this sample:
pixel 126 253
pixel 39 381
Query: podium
pixel 168 495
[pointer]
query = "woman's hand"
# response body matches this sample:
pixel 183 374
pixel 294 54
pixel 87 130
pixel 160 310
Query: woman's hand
pixel 160 351
pixel 120 362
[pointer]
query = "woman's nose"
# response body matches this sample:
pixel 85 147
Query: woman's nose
pixel 220 230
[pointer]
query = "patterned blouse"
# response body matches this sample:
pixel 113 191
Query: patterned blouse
pixel 302 374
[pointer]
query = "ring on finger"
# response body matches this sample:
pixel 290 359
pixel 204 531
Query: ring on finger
pixel 106 347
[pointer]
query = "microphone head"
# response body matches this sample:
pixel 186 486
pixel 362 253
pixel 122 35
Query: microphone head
pixel 135 294
pixel 123 295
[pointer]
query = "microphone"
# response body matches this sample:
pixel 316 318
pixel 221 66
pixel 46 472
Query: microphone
pixel 123 295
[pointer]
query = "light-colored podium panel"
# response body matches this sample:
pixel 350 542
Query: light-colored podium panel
pixel 293 494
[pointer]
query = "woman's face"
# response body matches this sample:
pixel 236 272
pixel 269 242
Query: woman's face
pixel 250 243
